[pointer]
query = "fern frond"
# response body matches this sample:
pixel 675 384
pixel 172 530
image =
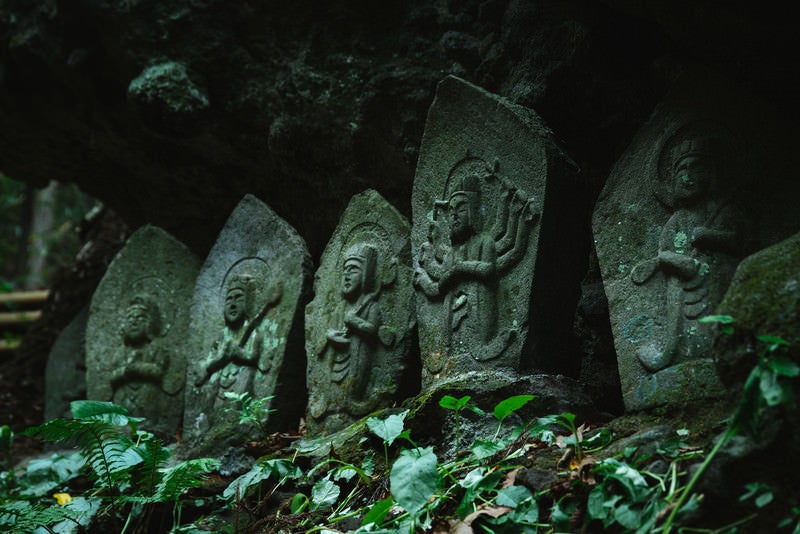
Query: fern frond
pixel 183 476
pixel 154 457
pixel 22 516
pixel 107 412
pixel 109 453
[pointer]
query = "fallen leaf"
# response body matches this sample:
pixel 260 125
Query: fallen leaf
pixel 491 511
pixel 62 498
pixel 510 478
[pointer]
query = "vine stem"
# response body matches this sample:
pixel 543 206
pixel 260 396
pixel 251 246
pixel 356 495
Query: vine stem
pixel 688 489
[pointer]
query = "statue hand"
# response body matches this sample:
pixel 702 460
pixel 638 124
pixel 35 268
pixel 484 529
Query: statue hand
pixel 351 319
pixel 338 337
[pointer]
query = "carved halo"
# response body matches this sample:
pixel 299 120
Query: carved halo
pixel 698 137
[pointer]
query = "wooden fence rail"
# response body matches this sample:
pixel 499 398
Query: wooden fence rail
pixel 19 309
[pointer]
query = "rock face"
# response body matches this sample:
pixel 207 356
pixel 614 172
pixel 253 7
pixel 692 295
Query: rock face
pixel 138 324
pixel 764 300
pixel 477 203
pixel 359 325
pixel 244 315
pixel 681 208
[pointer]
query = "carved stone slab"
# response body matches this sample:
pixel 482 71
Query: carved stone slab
pixel 677 214
pixel 358 327
pixel 65 373
pixel 477 200
pixel 137 327
pixel 244 315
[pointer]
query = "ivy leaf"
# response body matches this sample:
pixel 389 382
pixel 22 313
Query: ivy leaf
pixel 449 402
pixel 475 482
pixel 414 478
pixel 324 494
pixel 378 512
pixel 484 449
pixel 281 469
pixel 783 366
pixel 513 496
pixel 387 429
pixel 510 405
pixel 627 516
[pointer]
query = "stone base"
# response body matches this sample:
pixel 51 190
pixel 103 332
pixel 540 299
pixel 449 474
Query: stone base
pixel 696 379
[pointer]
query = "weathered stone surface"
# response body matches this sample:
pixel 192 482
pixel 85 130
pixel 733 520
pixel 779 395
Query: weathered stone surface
pixel 65 373
pixel 359 325
pixel 764 299
pixel 138 324
pixel 684 204
pixel 477 204
pixel 244 316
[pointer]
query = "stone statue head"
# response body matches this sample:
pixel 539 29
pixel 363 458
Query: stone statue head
pixel 693 168
pixel 142 322
pixel 463 209
pixel 239 297
pixel 359 271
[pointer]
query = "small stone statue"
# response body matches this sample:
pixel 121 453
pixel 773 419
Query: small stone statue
pixel 239 352
pixel 358 325
pixel 354 345
pixel 698 250
pixel 142 376
pixel 465 273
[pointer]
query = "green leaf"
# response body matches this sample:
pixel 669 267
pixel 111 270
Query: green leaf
pixel 277 468
pixel 764 499
pixel 107 412
pixel 484 449
pixel 721 319
pixel 627 516
pixel 414 478
pixel 299 503
pixel 627 476
pixel 773 341
pixel 387 429
pixel 449 402
pixel 513 496
pixel 561 514
pixel 183 476
pixel 378 512
pixel 596 505
pixel 783 366
pixel 474 409
pixel 324 494
pixel 475 482
pixel 6 438
pixel 510 405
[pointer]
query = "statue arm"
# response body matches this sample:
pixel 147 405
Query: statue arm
pixel 250 353
pixel 482 268
pixel 216 360
pixel 366 326
pixel 152 372
pixel 678 265
pixel 725 240
pixel 423 281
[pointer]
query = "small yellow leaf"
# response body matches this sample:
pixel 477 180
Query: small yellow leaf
pixel 62 498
